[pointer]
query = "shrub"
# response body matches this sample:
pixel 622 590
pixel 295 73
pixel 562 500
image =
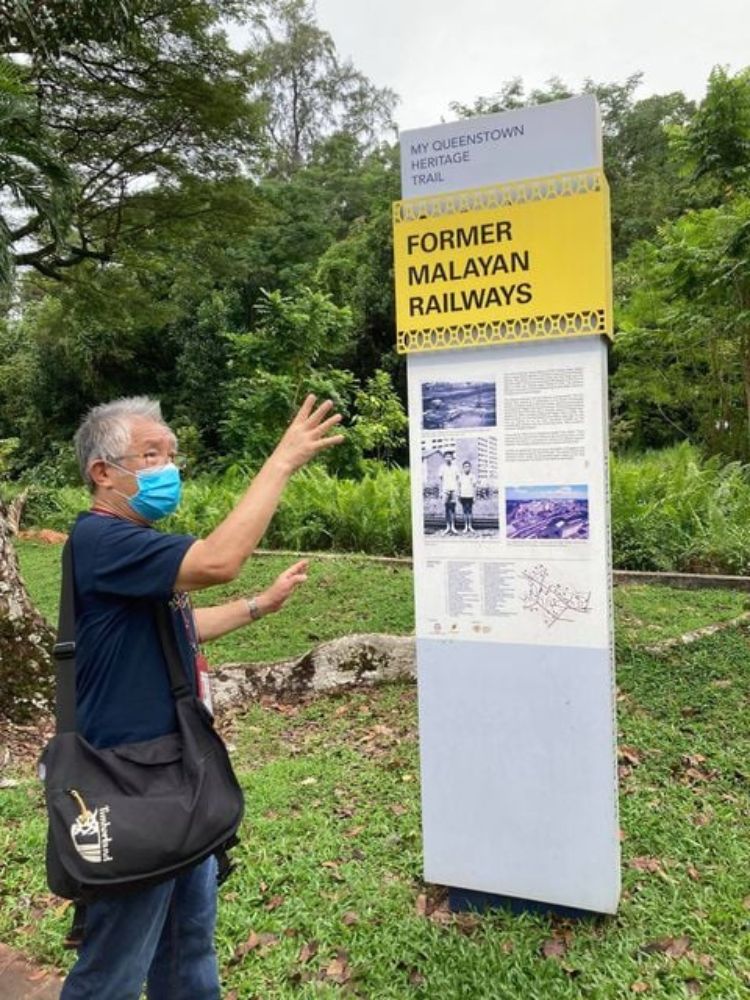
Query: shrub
pixel 671 510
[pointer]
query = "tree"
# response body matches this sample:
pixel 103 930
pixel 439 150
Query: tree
pixel 32 177
pixel 160 102
pixel 307 91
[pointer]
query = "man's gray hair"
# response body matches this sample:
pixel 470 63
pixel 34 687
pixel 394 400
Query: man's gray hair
pixel 105 431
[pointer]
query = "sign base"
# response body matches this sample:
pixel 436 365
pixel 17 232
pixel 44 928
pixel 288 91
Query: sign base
pixel 463 900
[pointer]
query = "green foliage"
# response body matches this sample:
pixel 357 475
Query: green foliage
pixel 41 27
pixel 672 511
pixel 683 350
pixel 715 145
pixel 319 511
pixel 380 424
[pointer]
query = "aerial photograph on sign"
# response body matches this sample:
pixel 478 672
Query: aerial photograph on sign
pixel 452 405
pixel 547 512
pixel 459 486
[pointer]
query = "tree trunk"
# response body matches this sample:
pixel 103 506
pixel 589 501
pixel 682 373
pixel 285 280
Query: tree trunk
pixel 26 673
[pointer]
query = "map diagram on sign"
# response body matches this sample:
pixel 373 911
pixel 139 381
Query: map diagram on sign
pixel 555 602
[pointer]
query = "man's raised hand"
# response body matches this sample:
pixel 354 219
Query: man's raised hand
pixel 307 435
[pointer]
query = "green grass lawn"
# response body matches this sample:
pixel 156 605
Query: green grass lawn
pixel 329 901
pixel 355 594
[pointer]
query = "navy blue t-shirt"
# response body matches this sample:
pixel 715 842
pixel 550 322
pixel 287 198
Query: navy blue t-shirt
pixel 121 569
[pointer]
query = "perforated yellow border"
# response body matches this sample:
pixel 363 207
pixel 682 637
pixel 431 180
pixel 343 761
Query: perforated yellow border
pixel 557 325
pixel 498 195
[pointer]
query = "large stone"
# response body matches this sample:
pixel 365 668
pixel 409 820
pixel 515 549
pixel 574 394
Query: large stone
pixel 352 661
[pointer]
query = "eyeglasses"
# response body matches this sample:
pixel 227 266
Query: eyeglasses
pixel 155 458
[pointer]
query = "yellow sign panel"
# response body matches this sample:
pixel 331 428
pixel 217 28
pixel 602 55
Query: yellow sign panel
pixel 524 261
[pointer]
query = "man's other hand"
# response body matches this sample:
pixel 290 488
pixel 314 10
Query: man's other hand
pixel 274 598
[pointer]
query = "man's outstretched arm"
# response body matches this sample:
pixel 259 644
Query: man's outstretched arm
pixel 219 557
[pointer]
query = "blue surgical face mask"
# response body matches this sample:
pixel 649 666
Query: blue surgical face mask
pixel 159 491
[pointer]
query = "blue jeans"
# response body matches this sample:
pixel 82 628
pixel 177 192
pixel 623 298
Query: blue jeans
pixel 162 936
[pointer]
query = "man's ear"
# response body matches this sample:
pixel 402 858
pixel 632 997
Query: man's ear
pixel 100 472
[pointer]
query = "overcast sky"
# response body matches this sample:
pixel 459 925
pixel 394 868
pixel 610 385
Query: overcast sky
pixel 432 52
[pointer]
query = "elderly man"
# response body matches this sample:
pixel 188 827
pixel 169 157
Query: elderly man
pixel 163 935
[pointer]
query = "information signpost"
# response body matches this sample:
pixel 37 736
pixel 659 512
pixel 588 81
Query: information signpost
pixel 503 299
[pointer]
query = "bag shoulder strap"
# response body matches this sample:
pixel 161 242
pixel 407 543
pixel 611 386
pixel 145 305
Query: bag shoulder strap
pixel 177 678
pixel 64 650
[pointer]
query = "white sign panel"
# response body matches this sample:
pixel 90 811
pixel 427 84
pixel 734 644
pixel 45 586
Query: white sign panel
pixel 510 526
pixel 555 138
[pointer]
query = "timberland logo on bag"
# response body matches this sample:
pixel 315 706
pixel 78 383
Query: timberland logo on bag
pixel 90 832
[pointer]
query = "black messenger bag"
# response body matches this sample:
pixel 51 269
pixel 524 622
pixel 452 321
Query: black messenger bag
pixel 129 816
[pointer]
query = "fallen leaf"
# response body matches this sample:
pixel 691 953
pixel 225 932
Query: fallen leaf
pixel 693 987
pixel 646 864
pixel 252 942
pixel 628 755
pixel 639 987
pixel 693 873
pixel 354 831
pixel 669 946
pixel 398 810
pixel 701 819
pixel 507 947
pixel 421 905
pixel 308 951
pixel 467 923
pixel 338 969
pixel 554 948
pixel 416 978
pixel 309 781
pixel 274 903
pixel 441 915
pixel 268 940
pixel 350 918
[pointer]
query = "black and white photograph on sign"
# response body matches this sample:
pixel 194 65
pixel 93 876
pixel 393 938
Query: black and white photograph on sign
pixel 547 512
pixel 458 405
pixel 459 487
